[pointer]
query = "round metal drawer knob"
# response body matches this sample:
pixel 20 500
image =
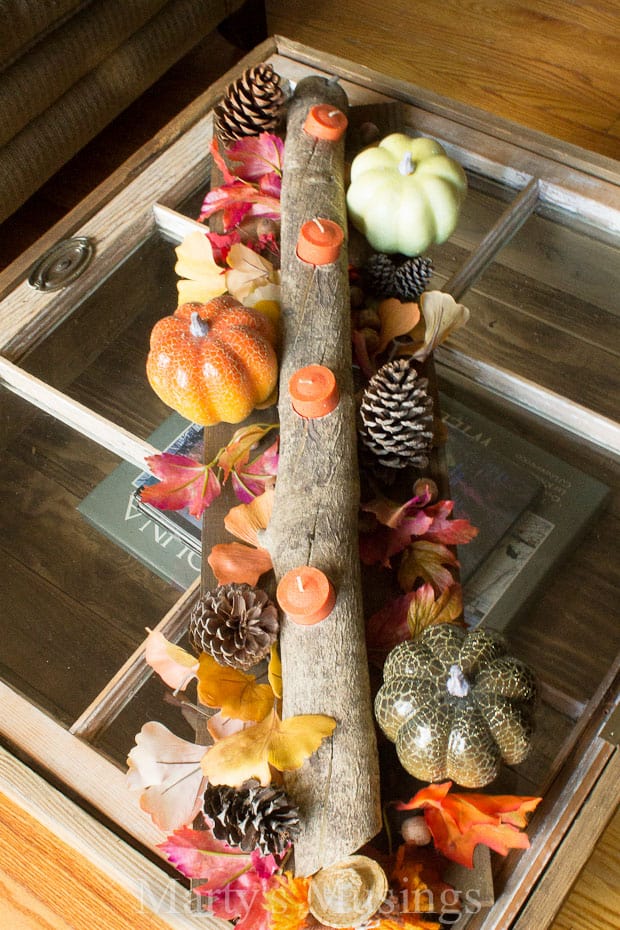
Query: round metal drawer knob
pixel 62 264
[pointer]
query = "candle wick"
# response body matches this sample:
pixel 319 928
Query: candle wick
pixel 332 113
pixel 300 583
pixel 319 224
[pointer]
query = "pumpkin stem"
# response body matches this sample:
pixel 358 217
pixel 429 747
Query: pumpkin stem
pixel 457 684
pixel 197 326
pixel 407 164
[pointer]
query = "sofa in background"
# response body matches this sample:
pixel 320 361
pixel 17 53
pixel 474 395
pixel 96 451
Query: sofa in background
pixel 68 67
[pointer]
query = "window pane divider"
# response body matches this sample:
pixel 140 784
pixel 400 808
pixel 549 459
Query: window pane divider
pixel 70 412
pixel 111 700
pixel 546 404
pixel 497 237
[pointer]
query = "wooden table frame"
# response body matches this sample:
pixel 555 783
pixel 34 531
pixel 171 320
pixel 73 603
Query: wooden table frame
pixel 584 782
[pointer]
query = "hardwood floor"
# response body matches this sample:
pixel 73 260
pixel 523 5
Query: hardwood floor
pixel 546 64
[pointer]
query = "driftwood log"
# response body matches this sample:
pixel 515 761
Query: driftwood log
pixel 315 514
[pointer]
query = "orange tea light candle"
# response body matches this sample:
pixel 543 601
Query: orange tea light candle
pixel 314 392
pixel 319 241
pixel 326 122
pixel 306 595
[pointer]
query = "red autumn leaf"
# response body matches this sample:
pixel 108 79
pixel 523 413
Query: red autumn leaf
pixel 254 478
pixel 220 162
pixel 387 628
pixel 459 822
pixel 243 898
pixel 256 156
pixel 379 545
pixel 222 244
pixel 445 530
pixel 237 451
pixel 198 854
pixel 237 200
pixel 184 483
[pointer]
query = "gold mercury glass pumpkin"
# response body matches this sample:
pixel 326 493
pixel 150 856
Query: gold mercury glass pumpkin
pixel 456 705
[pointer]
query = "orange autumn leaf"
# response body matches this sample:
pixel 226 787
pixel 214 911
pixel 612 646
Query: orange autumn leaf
pixel 283 744
pixel 417 880
pixel 426 610
pixel 459 822
pixel 174 665
pixel 397 319
pixel 232 562
pixel 235 692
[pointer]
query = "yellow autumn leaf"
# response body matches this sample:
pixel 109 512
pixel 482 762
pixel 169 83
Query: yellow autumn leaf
pixel 204 279
pixel 283 744
pixel 274 672
pixel 426 610
pixel 235 692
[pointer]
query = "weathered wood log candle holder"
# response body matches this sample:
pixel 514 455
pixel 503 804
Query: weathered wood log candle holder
pixel 315 512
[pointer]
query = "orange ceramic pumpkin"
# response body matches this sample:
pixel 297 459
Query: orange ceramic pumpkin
pixel 213 362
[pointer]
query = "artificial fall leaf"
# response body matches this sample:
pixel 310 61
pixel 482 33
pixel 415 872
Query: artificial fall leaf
pixel 248 271
pixel 232 562
pixel 167 771
pixel 237 450
pixel 251 479
pixel 444 529
pixel 459 822
pixel 426 561
pixel 441 316
pixel 198 854
pixel 416 877
pixel 387 628
pixel 221 243
pixel 243 899
pixel 184 482
pixel 236 200
pixel 201 277
pixel 174 665
pixel 425 609
pixel 220 726
pixel 287 902
pixel 397 319
pixel 283 744
pixel 274 671
pixel 235 692
pixel 257 156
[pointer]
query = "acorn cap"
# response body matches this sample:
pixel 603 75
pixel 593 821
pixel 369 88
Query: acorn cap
pixel 347 893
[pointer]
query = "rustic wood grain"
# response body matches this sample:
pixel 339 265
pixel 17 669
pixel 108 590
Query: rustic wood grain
pixel 61 870
pixel 545 64
pixel 314 519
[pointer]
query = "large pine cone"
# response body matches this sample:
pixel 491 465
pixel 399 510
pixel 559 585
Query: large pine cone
pixel 252 104
pixel 236 624
pixel 397 416
pixel 252 816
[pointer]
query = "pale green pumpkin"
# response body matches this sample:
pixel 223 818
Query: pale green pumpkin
pixel 405 194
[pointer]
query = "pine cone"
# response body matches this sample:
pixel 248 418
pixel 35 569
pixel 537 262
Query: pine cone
pixel 397 416
pixel 252 816
pixel 378 275
pixel 411 278
pixel 384 277
pixel 236 624
pixel 251 105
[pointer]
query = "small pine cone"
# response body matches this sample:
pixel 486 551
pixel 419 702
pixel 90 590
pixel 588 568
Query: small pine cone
pixel 411 278
pixel 378 275
pixel 397 416
pixel 236 624
pixel 252 816
pixel 251 105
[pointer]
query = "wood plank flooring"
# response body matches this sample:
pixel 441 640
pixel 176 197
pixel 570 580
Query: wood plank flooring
pixel 546 64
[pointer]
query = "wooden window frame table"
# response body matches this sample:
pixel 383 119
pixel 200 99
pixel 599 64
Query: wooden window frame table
pixel 139 199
